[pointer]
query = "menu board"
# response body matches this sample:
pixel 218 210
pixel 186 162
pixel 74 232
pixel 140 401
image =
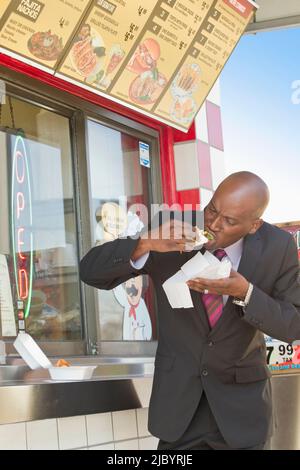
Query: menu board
pixel 159 57
pixel 104 41
pixel 207 49
pixel 3 5
pixel 38 31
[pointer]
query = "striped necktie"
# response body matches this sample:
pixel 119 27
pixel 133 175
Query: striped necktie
pixel 213 303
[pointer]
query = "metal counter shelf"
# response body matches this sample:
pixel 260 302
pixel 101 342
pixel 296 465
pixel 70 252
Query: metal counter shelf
pixel 117 384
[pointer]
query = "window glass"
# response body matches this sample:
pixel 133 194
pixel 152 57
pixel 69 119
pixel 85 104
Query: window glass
pixel 38 246
pixel 120 190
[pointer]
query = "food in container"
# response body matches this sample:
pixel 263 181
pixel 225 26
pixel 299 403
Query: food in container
pixel 62 363
pixel 71 372
pixel 36 359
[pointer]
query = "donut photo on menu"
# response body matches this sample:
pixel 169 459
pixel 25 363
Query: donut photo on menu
pixel 45 45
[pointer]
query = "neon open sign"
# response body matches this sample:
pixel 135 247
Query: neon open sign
pixel 21 223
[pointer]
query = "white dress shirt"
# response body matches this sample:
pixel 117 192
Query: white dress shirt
pixel 233 252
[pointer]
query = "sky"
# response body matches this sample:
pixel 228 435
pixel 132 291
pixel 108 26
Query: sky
pixel 261 123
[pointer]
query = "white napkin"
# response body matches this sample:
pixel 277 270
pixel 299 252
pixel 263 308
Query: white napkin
pixel 177 291
pixel 206 266
pixel 201 239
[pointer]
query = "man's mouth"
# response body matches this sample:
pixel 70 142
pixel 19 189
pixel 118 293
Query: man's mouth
pixel 209 235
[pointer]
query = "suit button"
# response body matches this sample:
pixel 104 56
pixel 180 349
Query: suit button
pixel 205 373
pixel 210 344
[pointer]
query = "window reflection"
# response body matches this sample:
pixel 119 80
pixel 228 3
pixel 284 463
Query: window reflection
pixel 38 233
pixel 119 187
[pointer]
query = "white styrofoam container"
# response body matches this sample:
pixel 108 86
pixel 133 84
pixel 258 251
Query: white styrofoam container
pixel 71 372
pixel 31 352
pixel 35 358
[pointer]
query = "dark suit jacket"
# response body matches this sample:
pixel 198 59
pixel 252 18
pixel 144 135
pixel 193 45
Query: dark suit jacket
pixel 227 362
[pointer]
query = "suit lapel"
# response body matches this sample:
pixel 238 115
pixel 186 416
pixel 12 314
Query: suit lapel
pixel 251 254
pixel 200 311
pixel 198 306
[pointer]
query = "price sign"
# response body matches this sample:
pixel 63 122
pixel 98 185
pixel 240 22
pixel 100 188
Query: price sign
pixel 282 357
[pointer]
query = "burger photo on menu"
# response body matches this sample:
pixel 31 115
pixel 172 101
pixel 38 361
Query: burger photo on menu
pixel 148 85
pixel 145 57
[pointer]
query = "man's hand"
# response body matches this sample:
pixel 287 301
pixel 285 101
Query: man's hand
pixel 235 285
pixel 173 235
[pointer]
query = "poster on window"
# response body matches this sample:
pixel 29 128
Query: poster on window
pixel 283 357
pixel 133 297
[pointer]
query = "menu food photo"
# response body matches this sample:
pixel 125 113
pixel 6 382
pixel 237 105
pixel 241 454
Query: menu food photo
pixel 37 31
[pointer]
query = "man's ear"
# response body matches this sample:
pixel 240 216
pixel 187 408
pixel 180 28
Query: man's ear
pixel 256 225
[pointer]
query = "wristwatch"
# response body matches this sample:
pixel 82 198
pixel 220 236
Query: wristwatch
pixel 244 303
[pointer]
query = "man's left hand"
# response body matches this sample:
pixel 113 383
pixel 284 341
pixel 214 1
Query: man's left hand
pixel 235 285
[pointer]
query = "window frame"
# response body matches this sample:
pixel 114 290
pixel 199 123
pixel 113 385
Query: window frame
pixel 79 111
pixel 128 348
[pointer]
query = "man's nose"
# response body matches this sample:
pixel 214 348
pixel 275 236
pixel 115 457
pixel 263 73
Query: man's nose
pixel 216 223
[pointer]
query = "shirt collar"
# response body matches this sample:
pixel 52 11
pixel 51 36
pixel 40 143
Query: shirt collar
pixel 234 251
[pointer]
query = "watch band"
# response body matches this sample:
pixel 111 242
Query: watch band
pixel 244 303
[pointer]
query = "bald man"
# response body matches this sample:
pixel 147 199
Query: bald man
pixel 211 387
